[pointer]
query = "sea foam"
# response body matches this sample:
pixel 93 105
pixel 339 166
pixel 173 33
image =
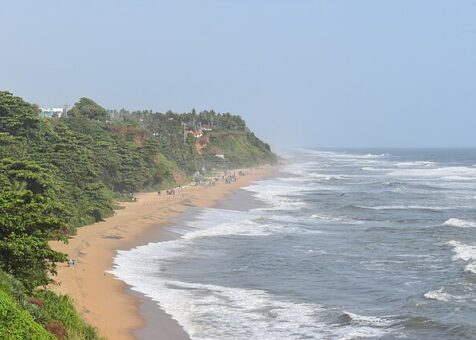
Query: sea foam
pixel 215 312
pixel 465 253
pixel 446 173
pixel 438 295
pixel 458 223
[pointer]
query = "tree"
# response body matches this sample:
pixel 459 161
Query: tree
pixel 16 116
pixel 27 222
pixel 31 176
pixel 88 108
pixel 29 217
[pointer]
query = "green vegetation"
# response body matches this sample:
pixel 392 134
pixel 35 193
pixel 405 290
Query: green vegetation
pixel 17 323
pixel 59 174
pixel 240 148
pixel 27 222
pixel 223 134
pixel 61 312
pixel 88 108
pixel 38 315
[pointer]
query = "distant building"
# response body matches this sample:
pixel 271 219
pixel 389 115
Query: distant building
pixel 52 112
pixel 222 156
pixel 206 128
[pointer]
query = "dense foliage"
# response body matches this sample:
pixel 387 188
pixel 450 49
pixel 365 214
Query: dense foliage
pixel 16 323
pixel 90 160
pixel 38 315
pixel 223 134
pixel 58 174
pixel 88 108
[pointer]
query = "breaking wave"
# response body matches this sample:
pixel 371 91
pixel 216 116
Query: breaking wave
pixel 438 295
pixel 465 253
pixel 458 223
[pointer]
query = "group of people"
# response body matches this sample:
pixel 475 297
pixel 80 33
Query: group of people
pixel 230 178
pixel 171 191
pixel 226 177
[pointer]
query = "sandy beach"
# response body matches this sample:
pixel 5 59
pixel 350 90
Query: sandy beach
pixel 107 303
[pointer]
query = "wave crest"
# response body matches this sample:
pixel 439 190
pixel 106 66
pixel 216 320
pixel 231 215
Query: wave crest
pixel 438 295
pixel 458 223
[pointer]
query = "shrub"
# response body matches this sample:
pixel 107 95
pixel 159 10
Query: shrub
pixel 61 309
pixel 18 324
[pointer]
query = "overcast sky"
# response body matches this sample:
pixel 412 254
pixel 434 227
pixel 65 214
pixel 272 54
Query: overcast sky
pixel 301 72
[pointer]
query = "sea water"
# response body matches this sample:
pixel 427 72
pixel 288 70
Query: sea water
pixel 348 245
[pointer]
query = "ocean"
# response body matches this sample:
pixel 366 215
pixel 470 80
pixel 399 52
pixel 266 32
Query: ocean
pixel 340 244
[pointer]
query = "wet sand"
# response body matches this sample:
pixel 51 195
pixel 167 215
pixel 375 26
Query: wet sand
pixel 108 303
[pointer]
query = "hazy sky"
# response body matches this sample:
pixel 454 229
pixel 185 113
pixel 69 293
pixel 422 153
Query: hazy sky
pixel 301 72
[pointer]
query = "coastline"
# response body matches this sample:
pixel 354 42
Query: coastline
pixel 156 319
pixel 108 303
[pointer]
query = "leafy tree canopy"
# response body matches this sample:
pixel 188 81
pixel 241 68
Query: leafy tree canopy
pixel 27 222
pixel 88 108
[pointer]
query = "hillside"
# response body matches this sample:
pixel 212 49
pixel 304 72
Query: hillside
pixel 239 148
pixel 57 174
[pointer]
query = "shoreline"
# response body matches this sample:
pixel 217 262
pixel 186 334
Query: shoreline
pixel 155 317
pixel 108 303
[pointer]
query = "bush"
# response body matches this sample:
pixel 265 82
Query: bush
pixel 16 323
pixel 61 309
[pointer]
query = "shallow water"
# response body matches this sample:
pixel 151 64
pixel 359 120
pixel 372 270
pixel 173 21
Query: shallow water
pixel 350 245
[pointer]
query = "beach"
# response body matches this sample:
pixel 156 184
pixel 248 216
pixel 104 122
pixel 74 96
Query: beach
pixel 106 302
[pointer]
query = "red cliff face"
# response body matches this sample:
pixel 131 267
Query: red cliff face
pixel 201 143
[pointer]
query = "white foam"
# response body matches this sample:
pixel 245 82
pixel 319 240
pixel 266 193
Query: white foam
pixel 470 268
pixel 342 220
pixel 215 312
pixel 324 177
pixel 458 223
pixel 465 253
pixel 403 207
pixel 369 168
pixel 415 164
pixel 446 173
pixel 438 295
pixel 248 228
pixel 275 194
pixel 219 223
pixel 326 154
pixel 376 321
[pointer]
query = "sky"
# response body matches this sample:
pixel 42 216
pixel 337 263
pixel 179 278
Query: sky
pixel 320 73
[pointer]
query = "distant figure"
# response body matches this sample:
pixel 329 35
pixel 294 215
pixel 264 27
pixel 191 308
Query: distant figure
pixel 158 192
pixel 131 196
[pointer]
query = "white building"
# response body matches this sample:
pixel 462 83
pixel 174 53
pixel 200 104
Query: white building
pixel 52 112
